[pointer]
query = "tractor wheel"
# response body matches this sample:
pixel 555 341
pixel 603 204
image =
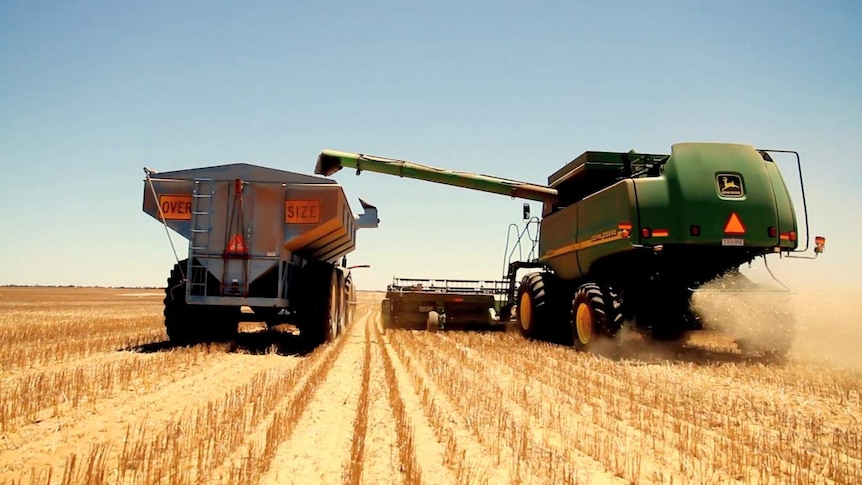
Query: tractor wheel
pixel 539 313
pixel 595 315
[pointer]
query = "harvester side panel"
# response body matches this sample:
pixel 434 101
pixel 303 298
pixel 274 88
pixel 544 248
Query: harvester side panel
pixel 606 222
pixel 557 246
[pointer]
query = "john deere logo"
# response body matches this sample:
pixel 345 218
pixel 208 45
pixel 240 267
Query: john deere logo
pixel 730 185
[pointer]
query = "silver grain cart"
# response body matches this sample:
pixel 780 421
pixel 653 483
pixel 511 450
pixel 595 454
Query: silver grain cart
pixel 272 240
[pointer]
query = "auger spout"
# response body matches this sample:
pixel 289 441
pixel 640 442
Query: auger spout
pixel 331 161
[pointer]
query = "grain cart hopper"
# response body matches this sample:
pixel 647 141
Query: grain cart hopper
pixel 443 303
pixel 271 240
pixel 629 236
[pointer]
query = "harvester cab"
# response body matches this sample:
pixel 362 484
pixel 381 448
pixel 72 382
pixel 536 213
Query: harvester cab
pixel 265 239
pixel 628 236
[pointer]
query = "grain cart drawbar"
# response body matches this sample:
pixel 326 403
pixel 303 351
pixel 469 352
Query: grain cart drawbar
pixel 271 240
pixel 630 236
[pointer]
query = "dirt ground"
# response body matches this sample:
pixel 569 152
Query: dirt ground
pixel 90 392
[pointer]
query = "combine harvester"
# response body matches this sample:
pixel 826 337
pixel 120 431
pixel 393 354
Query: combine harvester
pixel 630 236
pixel 267 239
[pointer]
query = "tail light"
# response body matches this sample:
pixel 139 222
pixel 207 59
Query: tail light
pixel 819 244
pixel 773 231
pixel 646 232
pixel 694 230
pixel 792 236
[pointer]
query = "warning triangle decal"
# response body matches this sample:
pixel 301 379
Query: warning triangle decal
pixel 237 244
pixel 734 225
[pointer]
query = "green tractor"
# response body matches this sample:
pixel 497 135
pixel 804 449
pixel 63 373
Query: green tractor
pixel 630 236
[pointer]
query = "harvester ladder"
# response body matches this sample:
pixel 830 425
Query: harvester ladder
pixel 201 229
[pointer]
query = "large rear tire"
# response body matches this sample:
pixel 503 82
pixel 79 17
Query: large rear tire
pixel 192 324
pixel 320 318
pixel 595 315
pixel 540 315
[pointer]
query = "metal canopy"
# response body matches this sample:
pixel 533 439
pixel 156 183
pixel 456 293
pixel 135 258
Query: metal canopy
pixel 243 171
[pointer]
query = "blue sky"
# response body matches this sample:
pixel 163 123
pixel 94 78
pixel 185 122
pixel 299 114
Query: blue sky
pixel 91 92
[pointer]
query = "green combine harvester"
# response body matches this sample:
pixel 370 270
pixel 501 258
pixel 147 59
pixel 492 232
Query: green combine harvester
pixel 630 236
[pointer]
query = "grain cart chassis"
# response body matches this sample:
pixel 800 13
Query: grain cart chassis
pixel 271 241
pixel 629 237
pixel 430 304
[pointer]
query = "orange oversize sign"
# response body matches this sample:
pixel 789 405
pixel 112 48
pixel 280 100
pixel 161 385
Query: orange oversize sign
pixel 176 207
pixel 301 211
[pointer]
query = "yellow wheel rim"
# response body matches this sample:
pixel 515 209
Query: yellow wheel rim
pixel 584 323
pixel 525 311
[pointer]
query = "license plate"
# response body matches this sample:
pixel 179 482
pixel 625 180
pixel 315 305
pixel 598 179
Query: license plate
pixel 732 241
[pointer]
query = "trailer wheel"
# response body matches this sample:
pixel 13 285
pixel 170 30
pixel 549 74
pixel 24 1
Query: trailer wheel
pixel 331 321
pixel 591 316
pixel 191 324
pixel 538 309
pixel 347 304
pixel 319 304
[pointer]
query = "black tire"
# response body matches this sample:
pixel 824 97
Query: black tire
pixel 433 323
pixel 540 314
pixel 385 313
pixel 320 304
pixel 191 324
pixel 347 305
pixel 595 314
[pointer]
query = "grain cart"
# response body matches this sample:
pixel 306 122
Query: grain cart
pixel 443 303
pixel 629 236
pixel 271 240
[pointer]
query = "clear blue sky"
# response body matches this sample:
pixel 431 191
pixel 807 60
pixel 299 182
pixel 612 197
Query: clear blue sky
pixel 90 92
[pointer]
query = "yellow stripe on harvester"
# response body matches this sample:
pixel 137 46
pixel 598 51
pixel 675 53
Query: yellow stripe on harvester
pixel 570 248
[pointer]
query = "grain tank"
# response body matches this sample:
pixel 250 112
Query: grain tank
pixel 271 240
pixel 630 236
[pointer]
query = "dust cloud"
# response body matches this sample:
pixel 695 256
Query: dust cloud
pixel 822 324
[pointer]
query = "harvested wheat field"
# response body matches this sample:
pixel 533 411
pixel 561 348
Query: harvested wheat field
pixel 91 393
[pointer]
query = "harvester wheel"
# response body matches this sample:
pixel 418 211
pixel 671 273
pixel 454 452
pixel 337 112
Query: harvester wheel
pixel 433 323
pixel 539 315
pixel 385 313
pixel 594 315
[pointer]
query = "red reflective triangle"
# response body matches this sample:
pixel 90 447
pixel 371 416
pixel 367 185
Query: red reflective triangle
pixel 237 244
pixel 734 225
